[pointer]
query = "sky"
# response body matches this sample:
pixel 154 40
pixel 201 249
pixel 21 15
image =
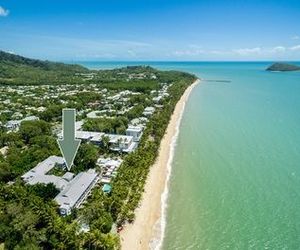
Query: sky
pixel 152 30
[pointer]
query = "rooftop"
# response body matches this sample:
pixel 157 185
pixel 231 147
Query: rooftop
pixel 72 195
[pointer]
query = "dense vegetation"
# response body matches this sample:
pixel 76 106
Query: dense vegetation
pixel 16 69
pixel 28 214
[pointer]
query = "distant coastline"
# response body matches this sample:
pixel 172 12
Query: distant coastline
pixel 147 231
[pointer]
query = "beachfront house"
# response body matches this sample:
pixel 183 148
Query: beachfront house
pixel 121 143
pixel 140 121
pixel 109 168
pixel 135 131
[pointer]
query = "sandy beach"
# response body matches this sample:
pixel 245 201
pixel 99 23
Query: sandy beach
pixel 147 225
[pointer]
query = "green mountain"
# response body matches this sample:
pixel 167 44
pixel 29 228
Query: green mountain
pixel 15 69
pixel 283 67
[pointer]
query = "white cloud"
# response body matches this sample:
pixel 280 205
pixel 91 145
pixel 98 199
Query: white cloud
pixel 241 52
pixel 266 51
pixel 248 51
pixel 278 49
pixel 297 47
pixel 3 12
pixel 131 53
pixel 189 52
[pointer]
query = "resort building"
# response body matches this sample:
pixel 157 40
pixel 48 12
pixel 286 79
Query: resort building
pixel 76 191
pixel 38 174
pixel 135 131
pixel 121 143
pixel 141 122
pixel 157 98
pixel 73 190
pixel 87 136
pixel 149 111
pixel 109 168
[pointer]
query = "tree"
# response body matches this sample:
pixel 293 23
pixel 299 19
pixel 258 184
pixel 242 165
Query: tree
pixel 46 191
pixel 31 129
pixel 105 142
pixel 86 157
pixel 5 172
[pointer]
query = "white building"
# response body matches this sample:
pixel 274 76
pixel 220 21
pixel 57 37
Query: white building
pixel 121 143
pixel 39 174
pixel 109 168
pixel 13 125
pixel 30 118
pixel 157 98
pixel 149 111
pixel 73 190
pixel 135 131
pixel 141 122
pixel 96 114
pixel 76 191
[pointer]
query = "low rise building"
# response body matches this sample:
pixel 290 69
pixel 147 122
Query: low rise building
pixel 73 190
pixel 76 191
pixel 121 143
pixel 140 121
pixel 109 168
pixel 39 174
pixel 149 111
pixel 135 131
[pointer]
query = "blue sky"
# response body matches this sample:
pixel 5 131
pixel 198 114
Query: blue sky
pixel 151 29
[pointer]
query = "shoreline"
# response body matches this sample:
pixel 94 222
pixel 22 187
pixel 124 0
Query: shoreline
pixel 147 230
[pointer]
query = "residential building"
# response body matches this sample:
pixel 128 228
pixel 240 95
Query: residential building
pixel 122 143
pixel 149 111
pixel 76 191
pixel 135 131
pixel 39 174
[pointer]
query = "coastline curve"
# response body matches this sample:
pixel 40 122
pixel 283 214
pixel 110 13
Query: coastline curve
pixel 147 231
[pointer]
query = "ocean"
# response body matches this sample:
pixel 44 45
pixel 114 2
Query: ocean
pixel 235 180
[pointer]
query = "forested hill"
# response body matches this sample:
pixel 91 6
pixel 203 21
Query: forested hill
pixel 19 70
pixel 16 60
pixel 15 69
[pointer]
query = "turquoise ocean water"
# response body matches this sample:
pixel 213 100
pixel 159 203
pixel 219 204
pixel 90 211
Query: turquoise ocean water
pixel 235 181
